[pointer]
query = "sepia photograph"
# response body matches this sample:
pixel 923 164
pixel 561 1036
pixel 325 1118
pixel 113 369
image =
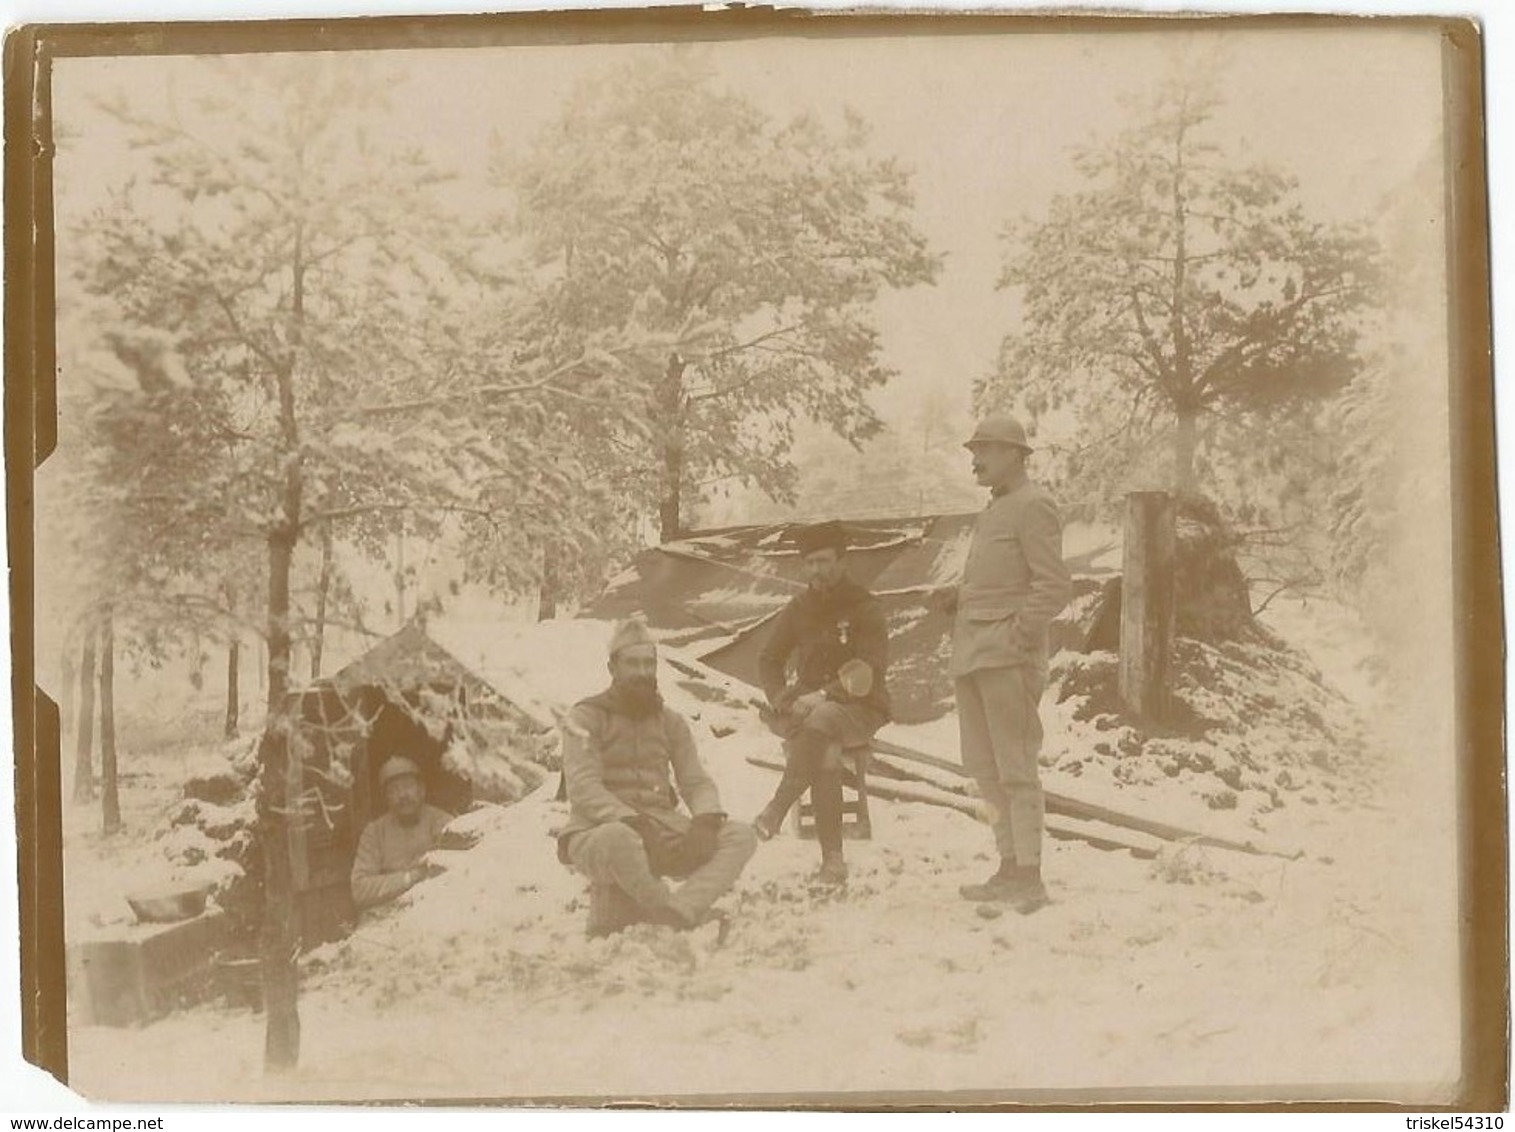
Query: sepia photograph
pixel 830 562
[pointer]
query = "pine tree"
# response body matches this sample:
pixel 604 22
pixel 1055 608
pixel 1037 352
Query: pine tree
pixel 660 204
pixel 298 344
pixel 1183 311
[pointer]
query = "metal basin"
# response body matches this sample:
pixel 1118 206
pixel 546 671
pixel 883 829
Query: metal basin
pixel 168 906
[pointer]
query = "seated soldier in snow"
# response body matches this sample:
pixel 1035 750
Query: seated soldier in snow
pixel 836 633
pixel 628 760
pixel 392 853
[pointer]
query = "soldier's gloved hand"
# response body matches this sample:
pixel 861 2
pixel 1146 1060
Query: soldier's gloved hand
pixel 664 847
pixel 700 842
pixel 646 829
pixel 807 703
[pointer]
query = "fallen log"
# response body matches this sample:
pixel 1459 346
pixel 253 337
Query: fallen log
pixel 1088 811
pixel 1056 803
pixel 1099 835
pixel 942 780
pixel 910 754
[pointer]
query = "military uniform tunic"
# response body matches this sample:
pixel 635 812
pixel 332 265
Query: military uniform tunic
pixel 1014 583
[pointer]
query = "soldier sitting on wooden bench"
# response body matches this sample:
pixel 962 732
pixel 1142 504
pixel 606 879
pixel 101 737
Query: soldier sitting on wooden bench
pixel 837 635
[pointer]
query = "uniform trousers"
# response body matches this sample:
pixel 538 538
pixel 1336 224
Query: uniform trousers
pixel 613 854
pixel 1001 738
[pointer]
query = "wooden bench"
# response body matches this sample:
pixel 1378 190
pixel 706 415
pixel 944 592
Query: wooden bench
pixel 856 824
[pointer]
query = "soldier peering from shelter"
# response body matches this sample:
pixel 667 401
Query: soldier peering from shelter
pixel 393 852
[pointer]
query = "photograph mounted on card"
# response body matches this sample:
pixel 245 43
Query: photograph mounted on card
pixel 756 558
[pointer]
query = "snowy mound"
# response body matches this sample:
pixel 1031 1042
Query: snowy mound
pixel 1256 725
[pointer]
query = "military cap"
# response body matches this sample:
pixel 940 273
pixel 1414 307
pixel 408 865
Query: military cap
pixel 630 632
pixel 397 767
pixel 829 535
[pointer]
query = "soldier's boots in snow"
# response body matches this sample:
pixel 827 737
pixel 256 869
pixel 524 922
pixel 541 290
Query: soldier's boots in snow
pixel 769 821
pixel 827 796
pixel 612 911
pixel 833 869
pixel 1020 886
pixel 804 754
pixel 807 765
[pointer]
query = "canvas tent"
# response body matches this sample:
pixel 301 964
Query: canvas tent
pixel 409 696
pixel 716 593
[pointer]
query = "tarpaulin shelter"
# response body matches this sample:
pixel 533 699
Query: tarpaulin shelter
pixel 716 593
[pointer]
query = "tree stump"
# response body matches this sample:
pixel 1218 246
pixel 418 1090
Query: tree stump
pixel 1147 604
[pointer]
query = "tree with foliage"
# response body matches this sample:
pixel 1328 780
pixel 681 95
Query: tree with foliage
pixel 307 345
pixel 1388 427
pixel 659 203
pixel 1182 311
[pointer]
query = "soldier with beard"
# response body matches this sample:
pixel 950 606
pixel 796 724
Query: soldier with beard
pixel 628 761
pixel 838 639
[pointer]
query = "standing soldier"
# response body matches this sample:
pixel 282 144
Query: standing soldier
pixel 1014 583
pixel 837 635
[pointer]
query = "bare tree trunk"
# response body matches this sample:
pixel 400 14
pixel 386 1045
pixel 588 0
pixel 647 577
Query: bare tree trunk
pixel 318 642
pixel 283 775
pixel 110 787
pixel 281 931
pixel 1183 362
pixel 66 704
pixel 400 576
pixel 84 771
pixel 233 687
pixel 671 414
pixel 547 595
pixel 1185 442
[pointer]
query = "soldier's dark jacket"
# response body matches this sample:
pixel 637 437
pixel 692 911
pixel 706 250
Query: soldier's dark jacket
pixel 823 629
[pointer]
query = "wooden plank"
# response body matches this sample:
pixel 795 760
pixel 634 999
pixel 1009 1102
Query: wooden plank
pixel 1056 802
pixel 884 746
pixel 943 780
pixel 1088 811
pixel 1099 835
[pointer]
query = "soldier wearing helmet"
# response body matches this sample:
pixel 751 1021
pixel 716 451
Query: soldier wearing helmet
pixel 392 853
pixel 1014 582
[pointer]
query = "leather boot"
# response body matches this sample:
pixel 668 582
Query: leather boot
pixel 610 911
pixel 826 794
pixel 1020 886
pixel 802 755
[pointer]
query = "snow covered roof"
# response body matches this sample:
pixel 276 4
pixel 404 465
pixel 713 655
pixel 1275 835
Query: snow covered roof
pixel 712 595
pixel 715 592
pixel 407 658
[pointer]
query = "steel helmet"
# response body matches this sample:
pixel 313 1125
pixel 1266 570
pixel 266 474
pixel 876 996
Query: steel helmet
pixel 999 430
pixel 397 767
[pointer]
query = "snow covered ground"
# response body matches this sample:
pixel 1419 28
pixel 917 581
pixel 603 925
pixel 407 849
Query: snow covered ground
pixel 1202 973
